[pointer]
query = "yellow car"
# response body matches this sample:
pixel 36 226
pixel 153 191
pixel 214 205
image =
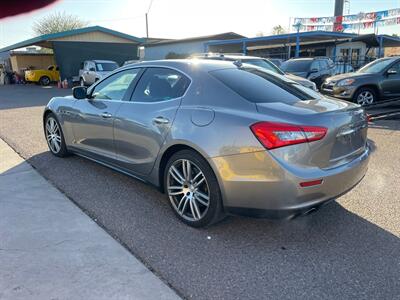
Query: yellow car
pixel 44 77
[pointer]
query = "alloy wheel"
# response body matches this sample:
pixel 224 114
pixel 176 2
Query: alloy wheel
pixel 53 135
pixel 188 190
pixel 365 98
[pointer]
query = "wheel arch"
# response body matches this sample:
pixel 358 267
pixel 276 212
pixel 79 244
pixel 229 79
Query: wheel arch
pixel 171 150
pixel 374 87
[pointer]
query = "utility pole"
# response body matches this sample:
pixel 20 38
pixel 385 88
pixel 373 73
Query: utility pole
pixel 147 21
pixel 147 27
pixel 339 5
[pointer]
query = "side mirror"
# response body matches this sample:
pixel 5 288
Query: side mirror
pixel 79 92
pixel 391 71
pixel 92 69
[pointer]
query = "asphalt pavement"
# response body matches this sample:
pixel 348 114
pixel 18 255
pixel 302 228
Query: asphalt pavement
pixel 350 249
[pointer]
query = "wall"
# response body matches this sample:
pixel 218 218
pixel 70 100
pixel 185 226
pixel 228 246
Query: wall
pixel 70 55
pixel 160 51
pixel 42 61
pixel 352 45
pixel 392 51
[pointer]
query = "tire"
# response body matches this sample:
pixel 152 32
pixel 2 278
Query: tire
pixel 54 136
pixel 188 201
pixel 44 81
pixel 82 82
pixel 365 96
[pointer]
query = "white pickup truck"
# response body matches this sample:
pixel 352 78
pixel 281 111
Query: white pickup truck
pixel 93 70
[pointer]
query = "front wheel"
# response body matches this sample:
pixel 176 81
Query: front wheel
pixel 54 136
pixel 193 190
pixel 365 96
pixel 44 80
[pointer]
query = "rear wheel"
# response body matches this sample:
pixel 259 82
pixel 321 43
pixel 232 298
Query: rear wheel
pixel 44 80
pixel 54 136
pixel 365 96
pixel 192 189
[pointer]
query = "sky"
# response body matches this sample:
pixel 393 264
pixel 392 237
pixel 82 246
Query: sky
pixel 188 18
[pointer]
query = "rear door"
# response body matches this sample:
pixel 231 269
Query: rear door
pixel 317 75
pixel 93 119
pixel 141 125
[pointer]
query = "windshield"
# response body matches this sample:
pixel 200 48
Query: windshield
pixel 106 66
pixel 263 64
pixel 296 66
pixel 376 66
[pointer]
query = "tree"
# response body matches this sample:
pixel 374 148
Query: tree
pixel 278 30
pixel 259 33
pixel 58 22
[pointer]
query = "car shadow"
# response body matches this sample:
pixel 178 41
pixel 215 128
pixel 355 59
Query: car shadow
pixel 332 253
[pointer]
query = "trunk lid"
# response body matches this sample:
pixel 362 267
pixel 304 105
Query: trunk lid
pixel 346 137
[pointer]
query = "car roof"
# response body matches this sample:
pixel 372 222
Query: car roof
pixel 230 56
pixel 103 61
pixel 187 65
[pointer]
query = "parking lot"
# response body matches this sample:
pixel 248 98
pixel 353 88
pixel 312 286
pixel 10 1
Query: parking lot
pixel 350 248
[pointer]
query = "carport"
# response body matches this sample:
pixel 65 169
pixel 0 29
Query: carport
pixel 71 48
pixel 286 43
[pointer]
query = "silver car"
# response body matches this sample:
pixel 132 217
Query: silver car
pixel 217 137
pixel 94 70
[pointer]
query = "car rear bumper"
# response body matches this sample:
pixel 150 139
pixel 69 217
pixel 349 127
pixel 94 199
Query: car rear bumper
pixel 256 184
pixel 342 92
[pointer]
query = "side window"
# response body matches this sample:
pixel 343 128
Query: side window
pixel 315 65
pixel 50 68
pixel 92 66
pixel 159 84
pixel 115 86
pixel 323 64
pixel 396 67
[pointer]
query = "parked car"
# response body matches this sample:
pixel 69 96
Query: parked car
pixel 260 62
pixel 377 80
pixel 133 61
pixel 93 70
pixel 215 136
pixel 276 61
pixel 343 68
pixel 43 77
pixel 316 69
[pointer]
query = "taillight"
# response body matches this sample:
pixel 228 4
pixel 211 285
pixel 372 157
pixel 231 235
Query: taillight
pixel 273 135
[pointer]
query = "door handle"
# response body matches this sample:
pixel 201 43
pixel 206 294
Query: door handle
pixel 160 120
pixel 106 115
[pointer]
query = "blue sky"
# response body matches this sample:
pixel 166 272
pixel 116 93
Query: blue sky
pixel 185 18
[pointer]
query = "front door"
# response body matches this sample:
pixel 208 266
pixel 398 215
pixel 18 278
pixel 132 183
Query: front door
pixel 391 82
pixel 141 125
pixel 94 117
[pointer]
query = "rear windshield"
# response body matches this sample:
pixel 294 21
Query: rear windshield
pixel 296 65
pixel 261 86
pixel 106 66
pixel 263 64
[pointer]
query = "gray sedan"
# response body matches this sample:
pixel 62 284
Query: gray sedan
pixel 216 137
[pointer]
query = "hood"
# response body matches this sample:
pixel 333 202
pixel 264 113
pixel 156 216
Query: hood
pixel 304 108
pixel 103 73
pixel 353 75
pixel 301 74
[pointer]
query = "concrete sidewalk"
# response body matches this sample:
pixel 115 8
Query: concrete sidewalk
pixel 49 249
